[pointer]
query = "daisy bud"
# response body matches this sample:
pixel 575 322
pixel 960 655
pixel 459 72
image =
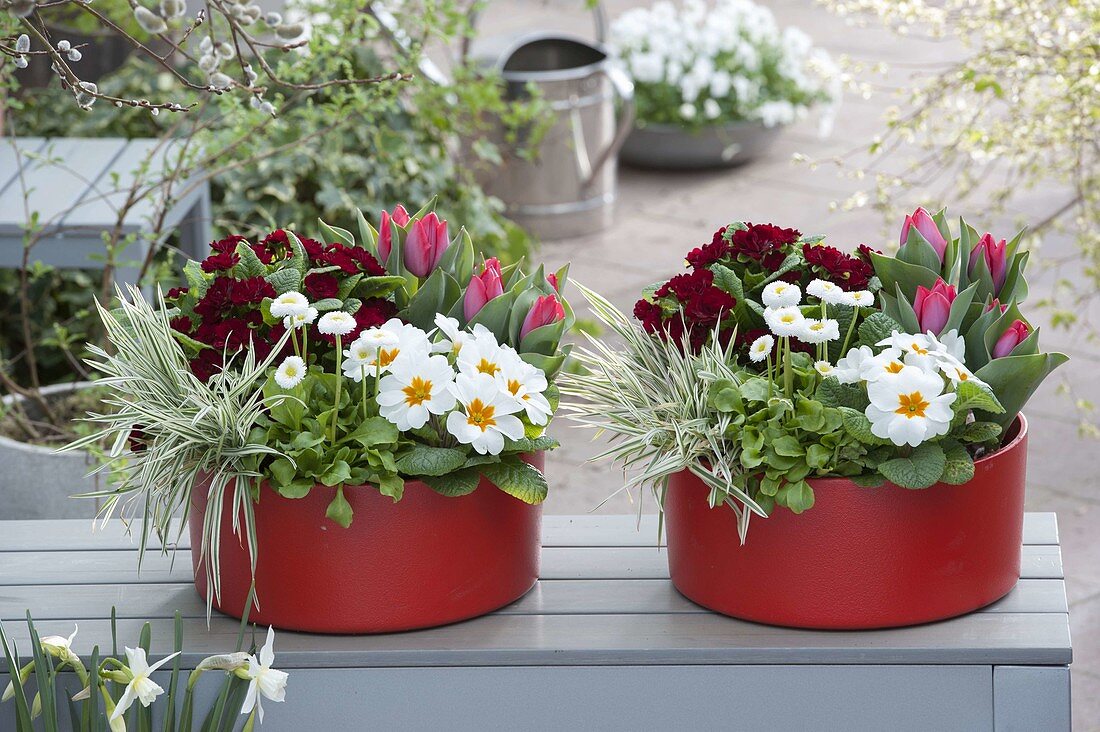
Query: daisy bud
pixel 337 323
pixel 64 46
pixel 290 31
pixel 172 8
pixel 290 372
pixel 273 19
pixel 149 21
pixel 23 43
pixel 75 55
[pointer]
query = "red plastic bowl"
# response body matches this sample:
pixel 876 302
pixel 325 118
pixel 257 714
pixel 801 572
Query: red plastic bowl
pixel 426 560
pixel 861 557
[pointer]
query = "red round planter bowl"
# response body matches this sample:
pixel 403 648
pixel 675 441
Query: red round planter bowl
pixel 426 560
pixel 861 557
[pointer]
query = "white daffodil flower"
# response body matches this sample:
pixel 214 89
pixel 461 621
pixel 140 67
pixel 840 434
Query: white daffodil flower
pixel 908 407
pixel 818 331
pixel 824 368
pixel 486 416
pixel 140 687
pixel 336 323
pixel 264 681
pixel 300 320
pixel 859 298
pixel 828 292
pixel 290 372
pixel 781 294
pixel 288 304
pixel 784 321
pixel 525 384
pixel 416 387
pixel 58 646
pixel 850 369
pixel 761 348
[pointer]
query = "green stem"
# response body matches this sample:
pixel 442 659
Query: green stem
pixel 788 385
pixel 339 378
pixel 768 363
pixel 294 340
pixel 363 381
pixel 848 335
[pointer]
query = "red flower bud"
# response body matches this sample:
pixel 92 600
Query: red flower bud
pixel 927 228
pixel 545 311
pixel 400 217
pixel 933 307
pixel 995 259
pixel 425 244
pixel 482 288
pixel 1013 336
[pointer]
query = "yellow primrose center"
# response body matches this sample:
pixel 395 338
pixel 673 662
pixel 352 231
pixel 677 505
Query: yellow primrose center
pixel 418 391
pixel 480 415
pixel 486 366
pixel 911 405
pixel 387 355
pixel 894 367
pixel 962 375
pixel 513 387
pixel 915 348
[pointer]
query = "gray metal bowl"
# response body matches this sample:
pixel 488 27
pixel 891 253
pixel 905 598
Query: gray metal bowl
pixel 668 147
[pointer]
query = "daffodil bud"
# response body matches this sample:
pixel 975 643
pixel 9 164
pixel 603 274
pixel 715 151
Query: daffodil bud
pixel 149 21
pixel 223 662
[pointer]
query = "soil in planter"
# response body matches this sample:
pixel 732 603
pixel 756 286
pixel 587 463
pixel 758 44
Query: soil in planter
pixel 25 421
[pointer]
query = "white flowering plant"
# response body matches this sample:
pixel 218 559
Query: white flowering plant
pixel 696 65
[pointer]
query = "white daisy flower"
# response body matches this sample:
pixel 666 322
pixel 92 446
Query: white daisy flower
pixel 781 294
pixel 526 383
pixel 761 348
pixel 908 407
pixel 818 331
pixel 140 687
pixel 824 368
pixel 826 291
pixel 289 303
pixel 784 321
pixel 487 414
pixel 859 298
pixel 300 320
pixel 849 370
pixel 416 386
pixel 264 681
pixel 336 323
pixel 290 372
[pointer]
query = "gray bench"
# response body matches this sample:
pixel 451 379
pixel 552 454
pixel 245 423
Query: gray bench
pixel 602 642
pixel 78 186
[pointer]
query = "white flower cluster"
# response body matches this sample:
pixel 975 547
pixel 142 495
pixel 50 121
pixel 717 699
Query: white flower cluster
pixel 785 319
pixel 478 384
pixel 730 61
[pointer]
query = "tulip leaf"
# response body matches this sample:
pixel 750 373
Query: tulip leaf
pixel 517 478
pixel 550 365
pixel 335 233
pixel 543 339
pixel 368 235
pixel 906 312
pixel 495 316
pixel 427 301
pixel 1015 378
pixel 919 252
pixel 895 272
pixel 922 468
pixel 959 309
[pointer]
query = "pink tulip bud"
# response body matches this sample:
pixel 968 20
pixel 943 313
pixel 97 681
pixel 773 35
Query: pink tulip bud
pixel 1013 336
pixel 995 259
pixel 483 288
pixel 553 280
pixel 400 217
pixel 995 303
pixel 933 307
pixel 545 311
pixel 927 228
pixel 425 244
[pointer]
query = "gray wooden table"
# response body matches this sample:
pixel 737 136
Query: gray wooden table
pixel 602 642
pixel 77 186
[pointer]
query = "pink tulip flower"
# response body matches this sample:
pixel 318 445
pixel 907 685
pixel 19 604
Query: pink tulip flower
pixel 425 244
pixel 1013 336
pixel 545 311
pixel 933 307
pixel 995 303
pixel 553 280
pixel 995 259
pixel 483 288
pixel 927 228
pixel 400 217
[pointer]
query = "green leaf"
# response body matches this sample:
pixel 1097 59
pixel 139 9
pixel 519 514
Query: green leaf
pixel 922 468
pixel 334 233
pixel 972 395
pixel 858 426
pixel 297 488
pixel 724 396
pixel 876 327
pixel 392 486
pixel 329 303
pixel 374 431
pixel 831 393
pixel 868 480
pixel 981 432
pixel 338 473
pixel 283 471
pixel 787 446
pixel 818 456
pixel 517 478
pixel 339 510
pixel 959 468
pixel 423 460
pixel 458 483
pixel 285 280
pixel 531 444
pixel 797 496
pixel 250 265
pixel 755 389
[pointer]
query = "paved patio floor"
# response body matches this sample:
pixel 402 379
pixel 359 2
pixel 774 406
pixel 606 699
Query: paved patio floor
pixel 662 215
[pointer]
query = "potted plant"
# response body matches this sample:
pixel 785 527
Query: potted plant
pixel 356 427
pixel 714 85
pixel 867 406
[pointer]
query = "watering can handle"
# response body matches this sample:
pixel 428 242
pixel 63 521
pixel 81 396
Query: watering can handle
pixel 599 20
pixel 624 89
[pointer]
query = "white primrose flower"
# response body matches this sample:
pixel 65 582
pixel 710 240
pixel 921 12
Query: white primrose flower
pixel 908 407
pixel 289 303
pixel 264 681
pixel 859 298
pixel 958 373
pixel 410 340
pixel 781 294
pixel 890 361
pixel 818 331
pixel 850 369
pixel 416 387
pixel 824 368
pixel 290 372
pixel 455 336
pixel 761 348
pixel 953 344
pixel 919 349
pixel 336 323
pixel 300 320
pixel 482 354
pixel 784 321
pixel 526 383
pixel 487 414
pixel 826 291
pixel 141 687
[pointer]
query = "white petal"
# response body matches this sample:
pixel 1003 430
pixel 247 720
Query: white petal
pixel 267 653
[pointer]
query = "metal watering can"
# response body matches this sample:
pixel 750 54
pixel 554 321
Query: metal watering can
pixel 568 187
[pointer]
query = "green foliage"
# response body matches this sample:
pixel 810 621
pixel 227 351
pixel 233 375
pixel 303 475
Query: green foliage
pixel 921 468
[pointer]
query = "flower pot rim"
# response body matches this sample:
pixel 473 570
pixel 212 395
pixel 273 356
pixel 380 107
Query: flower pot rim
pixel 1013 444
